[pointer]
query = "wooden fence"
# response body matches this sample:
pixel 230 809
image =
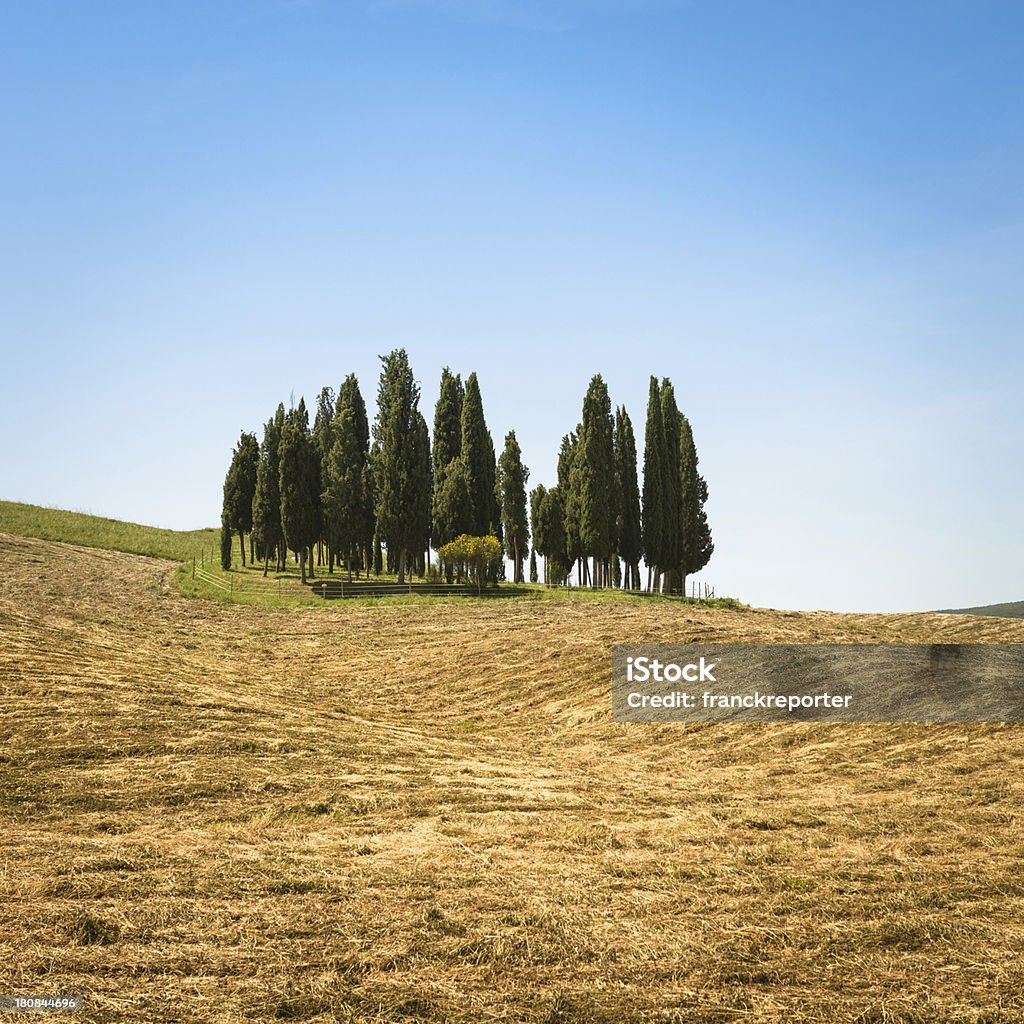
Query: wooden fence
pixel 338 587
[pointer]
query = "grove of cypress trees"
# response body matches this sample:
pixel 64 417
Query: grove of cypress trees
pixel 653 493
pixel 398 468
pixel 629 539
pixel 511 487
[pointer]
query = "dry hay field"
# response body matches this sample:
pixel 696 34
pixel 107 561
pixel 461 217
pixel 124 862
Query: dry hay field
pixel 400 813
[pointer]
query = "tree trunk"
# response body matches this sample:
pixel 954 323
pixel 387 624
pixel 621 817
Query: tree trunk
pixel 312 574
pixel 401 565
pixel 241 544
pixel 266 561
pixel 302 564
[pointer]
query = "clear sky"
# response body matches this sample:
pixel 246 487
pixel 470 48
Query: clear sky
pixel 808 215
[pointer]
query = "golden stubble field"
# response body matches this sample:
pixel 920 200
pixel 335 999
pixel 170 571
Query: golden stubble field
pixel 225 813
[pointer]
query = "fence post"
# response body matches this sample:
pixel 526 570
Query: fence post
pixel 193 567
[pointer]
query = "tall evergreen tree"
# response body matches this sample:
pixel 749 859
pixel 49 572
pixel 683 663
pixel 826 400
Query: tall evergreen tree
pixel 322 424
pixel 422 491
pixel 451 502
pixel 697 545
pixel 398 466
pixel 537 539
pixel 240 487
pixel 478 454
pixel 322 443
pixel 350 397
pixel 225 542
pixel 558 555
pixel 511 486
pixel 592 479
pixel 672 492
pixel 300 486
pixel 266 504
pixel 347 497
pixel 448 420
pixel 629 539
pixel 653 494
pixel 571 551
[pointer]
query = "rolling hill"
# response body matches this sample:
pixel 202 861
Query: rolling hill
pixel 1011 610
pixel 217 812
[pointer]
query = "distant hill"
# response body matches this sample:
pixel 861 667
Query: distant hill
pixel 98 532
pixel 1011 610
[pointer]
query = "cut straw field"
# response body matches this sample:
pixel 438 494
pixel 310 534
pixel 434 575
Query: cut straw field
pixel 216 812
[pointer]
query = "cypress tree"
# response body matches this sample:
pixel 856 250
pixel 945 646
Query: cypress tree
pixel 347 497
pixel 351 398
pixel 322 423
pixel 322 443
pixel 629 536
pixel 422 491
pixel 478 455
pixel 225 543
pixel 300 486
pixel 558 556
pixel 533 566
pixel 451 501
pixel 398 466
pixel 672 491
pixel 697 545
pixel 266 504
pixel 448 420
pixel 653 494
pixel 511 486
pixel 538 542
pixel 494 518
pixel 570 549
pixel 592 479
pixel 240 487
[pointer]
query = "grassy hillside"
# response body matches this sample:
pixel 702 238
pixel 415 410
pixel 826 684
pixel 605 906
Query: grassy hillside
pixel 1012 610
pixel 424 814
pixel 97 532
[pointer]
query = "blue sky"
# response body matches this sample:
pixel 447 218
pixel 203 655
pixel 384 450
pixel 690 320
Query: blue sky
pixel 808 215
